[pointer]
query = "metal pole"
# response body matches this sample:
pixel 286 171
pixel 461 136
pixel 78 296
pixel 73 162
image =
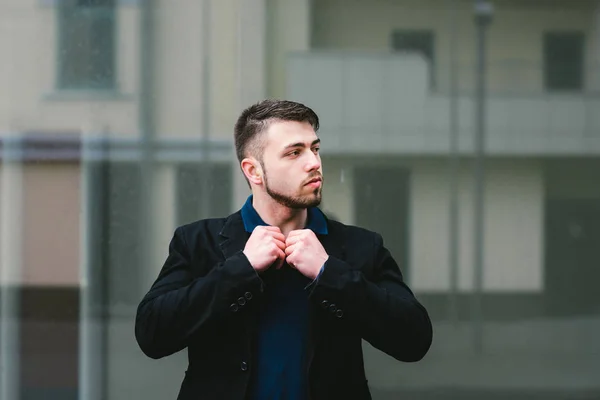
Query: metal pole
pixel 93 303
pixel 146 125
pixel 205 167
pixel 11 232
pixel 454 170
pixel 483 13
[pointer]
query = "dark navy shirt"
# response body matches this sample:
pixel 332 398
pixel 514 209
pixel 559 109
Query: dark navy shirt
pixel 279 371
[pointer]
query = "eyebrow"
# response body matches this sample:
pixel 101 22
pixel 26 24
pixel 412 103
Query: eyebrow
pixel 300 144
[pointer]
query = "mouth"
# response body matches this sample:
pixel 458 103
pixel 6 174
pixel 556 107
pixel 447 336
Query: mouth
pixel 315 182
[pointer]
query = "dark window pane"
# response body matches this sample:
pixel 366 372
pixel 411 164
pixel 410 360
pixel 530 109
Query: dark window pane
pixel 416 41
pixel 114 244
pixel 195 199
pixel 388 187
pixel 122 242
pixel 95 3
pixel 563 60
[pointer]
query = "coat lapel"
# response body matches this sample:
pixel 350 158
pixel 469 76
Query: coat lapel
pixel 334 245
pixel 233 236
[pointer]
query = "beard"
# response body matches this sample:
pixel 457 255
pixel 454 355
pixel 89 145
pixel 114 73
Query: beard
pixel 298 201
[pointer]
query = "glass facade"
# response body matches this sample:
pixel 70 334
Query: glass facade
pixel 467 133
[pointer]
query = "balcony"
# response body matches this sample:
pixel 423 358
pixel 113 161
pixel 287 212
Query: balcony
pixel 373 103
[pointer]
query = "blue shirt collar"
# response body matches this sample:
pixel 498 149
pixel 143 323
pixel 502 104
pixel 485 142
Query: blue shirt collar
pixel 315 220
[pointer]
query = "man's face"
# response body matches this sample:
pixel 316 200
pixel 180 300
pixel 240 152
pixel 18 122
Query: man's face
pixel 291 164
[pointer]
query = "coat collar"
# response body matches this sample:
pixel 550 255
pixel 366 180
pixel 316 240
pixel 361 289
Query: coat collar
pixel 316 220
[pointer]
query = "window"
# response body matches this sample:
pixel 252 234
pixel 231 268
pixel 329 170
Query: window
pixel 86 44
pixel 563 60
pixel 416 41
pixel 192 203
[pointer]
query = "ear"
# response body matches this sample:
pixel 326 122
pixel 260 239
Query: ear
pixel 252 170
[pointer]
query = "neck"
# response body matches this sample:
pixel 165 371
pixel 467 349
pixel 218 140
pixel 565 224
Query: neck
pixel 275 214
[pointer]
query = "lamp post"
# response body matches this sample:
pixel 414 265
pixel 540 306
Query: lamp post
pixel 483 18
pixel 454 169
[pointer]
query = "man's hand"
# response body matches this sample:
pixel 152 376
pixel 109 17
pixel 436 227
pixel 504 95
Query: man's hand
pixel 265 246
pixel 305 253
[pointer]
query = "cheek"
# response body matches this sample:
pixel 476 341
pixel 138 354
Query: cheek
pixel 283 174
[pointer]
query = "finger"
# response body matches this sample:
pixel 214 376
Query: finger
pixel 280 244
pixel 290 241
pixel 291 261
pixel 278 239
pixel 278 236
pixel 301 233
pixel 290 249
pixel 292 238
pixel 279 252
pixel 276 250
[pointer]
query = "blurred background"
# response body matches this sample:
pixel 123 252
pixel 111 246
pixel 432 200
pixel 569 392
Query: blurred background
pixel 466 132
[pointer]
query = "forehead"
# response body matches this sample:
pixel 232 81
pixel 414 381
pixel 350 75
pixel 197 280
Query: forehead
pixel 283 133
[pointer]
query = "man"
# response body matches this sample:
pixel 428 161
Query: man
pixel 273 301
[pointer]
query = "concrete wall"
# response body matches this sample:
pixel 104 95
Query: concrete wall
pixel 514 226
pixel 338 190
pixel 179 68
pixel 289 30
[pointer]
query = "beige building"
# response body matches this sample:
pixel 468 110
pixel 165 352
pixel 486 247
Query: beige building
pixel 116 121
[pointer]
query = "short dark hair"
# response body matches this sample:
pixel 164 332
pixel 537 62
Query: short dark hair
pixel 255 119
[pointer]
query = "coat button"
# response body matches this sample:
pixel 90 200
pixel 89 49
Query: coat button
pixel 244 366
pixel 324 304
pixel 339 313
pixel 233 307
pixel 241 301
pixel 332 308
pixel 248 296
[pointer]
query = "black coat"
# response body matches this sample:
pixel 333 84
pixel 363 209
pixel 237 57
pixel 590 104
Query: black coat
pixel 206 299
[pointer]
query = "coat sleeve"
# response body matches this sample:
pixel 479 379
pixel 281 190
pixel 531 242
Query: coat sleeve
pixel 382 308
pixel 180 305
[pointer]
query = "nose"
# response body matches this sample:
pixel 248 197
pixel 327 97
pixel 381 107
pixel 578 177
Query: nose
pixel 314 162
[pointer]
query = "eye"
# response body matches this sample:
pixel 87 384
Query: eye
pixel 293 153
pixel 316 149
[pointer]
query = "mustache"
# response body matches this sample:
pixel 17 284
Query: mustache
pixel 313 176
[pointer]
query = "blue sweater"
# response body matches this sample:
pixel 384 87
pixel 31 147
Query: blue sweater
pixel 279 371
